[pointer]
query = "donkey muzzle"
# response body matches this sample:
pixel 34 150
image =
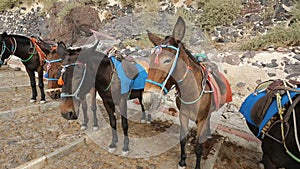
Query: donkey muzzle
pixel 54 93
pixel 152 100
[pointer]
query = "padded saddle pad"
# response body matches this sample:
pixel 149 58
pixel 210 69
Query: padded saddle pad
pixel 130 69
pixel 252 99
pixel 219 84
pixel 128 83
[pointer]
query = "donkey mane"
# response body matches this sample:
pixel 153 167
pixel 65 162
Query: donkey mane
pixel 172 39
pixel 72 51
pixel 17 36
pixel 190 54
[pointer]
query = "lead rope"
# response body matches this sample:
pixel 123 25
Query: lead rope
pixel 294 118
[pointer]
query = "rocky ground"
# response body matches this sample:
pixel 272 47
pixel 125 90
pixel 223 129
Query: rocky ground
pixel 126 29
pixel 29 132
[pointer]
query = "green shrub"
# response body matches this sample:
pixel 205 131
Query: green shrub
pixel 217 13
pixel 279 36
pixel 7 4
pixel 129 3
pixel 66 10
pixel 296 11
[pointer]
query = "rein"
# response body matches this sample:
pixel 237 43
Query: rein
pixel 75 94
pixel 158 50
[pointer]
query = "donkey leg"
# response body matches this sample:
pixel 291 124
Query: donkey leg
pixel 41 85
pixel 84 111
pixel 32 84
pixel 94 110
pixel 183 139
pixel 198 152
pixel 110 108
pixel 123 111
pixel 267 162
pixel 143 117
pixel 202 130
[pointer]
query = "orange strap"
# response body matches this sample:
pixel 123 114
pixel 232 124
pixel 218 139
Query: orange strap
pixel 42 55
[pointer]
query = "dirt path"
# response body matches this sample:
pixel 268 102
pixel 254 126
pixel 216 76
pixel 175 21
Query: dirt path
pixel 28 133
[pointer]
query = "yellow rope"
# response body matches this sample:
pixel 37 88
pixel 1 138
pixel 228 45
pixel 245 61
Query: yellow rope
pixel 280 112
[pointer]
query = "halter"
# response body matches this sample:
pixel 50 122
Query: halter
pixel 158 50
pixel 163 84
pixel 4 48
pixel 49 62
pixel 75 94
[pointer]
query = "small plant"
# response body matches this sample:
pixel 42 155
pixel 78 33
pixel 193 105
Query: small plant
pixel 7 4
pixel 295 12
pixel 129 3
pixel 279 36
pixel 66 10
pixel 218 13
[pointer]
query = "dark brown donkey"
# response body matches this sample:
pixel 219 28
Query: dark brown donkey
pixel 96 69
pixel 172 64
pixel 272 112
pixel 32 55
pixel 53 69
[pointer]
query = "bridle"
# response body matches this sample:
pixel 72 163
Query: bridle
pixel 5 48
pixel 157 51
pixel 49 62
pixel 75 94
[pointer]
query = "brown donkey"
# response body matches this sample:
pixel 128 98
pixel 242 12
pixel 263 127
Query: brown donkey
pixel 200 91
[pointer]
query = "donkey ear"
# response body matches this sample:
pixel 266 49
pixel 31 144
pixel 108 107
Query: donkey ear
pixel 61 49
pixel 4 34
pixel 95 45
pixel 179 29
pixel 62 44
pixel 153 38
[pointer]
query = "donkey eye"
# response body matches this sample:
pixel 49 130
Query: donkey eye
pixel 168 60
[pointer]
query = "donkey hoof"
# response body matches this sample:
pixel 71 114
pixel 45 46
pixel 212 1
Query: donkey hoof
pixel 261 165
pixel 124 153
pixel 112 150
pixel 95 128
pixel 143 121
pixel 83 128
pixel 42 101
pixel 32 100
pixel 180 167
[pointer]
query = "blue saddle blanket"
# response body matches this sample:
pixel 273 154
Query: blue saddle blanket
pixel 249 102
pixel 128 84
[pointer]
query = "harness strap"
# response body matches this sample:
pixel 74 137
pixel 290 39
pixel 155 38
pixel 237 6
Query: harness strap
pixel 3 49
pixel 110 83
pixel 26 60
pixel 75 94
pixel 185 74
pixel 40 52
pixel 283 121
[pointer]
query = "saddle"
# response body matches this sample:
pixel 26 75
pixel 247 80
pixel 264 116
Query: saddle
pixel 130 69
pixel 271 87
pixel 218 83
pixel 214 71
pixel 128 63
